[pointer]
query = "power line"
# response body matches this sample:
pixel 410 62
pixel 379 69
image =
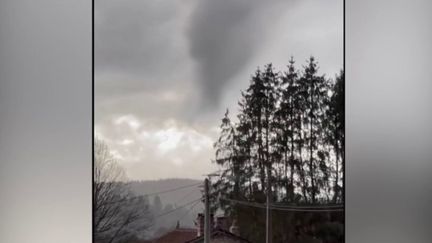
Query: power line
pixel 184 197
pixel 308 210
pixel 172 190
pixel 189 210
pixel 308 207
pixel 284 208
pixel 175 209
pixel 279 205
pixel 154 193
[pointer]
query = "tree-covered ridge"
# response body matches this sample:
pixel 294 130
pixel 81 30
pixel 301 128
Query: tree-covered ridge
pixel 288 136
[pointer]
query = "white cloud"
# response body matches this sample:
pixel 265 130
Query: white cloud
pixel 158 146
pixel 130 120
pixel 127 142
pixel 168 139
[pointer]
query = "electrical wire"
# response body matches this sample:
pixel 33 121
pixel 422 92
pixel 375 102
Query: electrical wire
pixel 172 190
pixel 306 206
pixel 184 197
pixel 175 209
pixel 284 208
pixel 189 210
pixel 154 193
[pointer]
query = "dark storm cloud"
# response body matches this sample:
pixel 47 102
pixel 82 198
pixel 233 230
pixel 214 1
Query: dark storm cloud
pixel 138 44
pixel 166 70
pixel 141 58
pixel 128 31
pixel 225 35
pixel 198 49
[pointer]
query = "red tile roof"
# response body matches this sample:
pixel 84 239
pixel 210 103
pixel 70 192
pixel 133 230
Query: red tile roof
pixel 176 236
pixel 218 233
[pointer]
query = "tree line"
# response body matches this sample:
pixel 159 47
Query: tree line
pixel 122 213
pixel 118 215
pixel 287 140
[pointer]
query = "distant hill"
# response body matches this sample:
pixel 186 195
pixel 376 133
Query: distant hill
pixel 178 197
pixel 169 201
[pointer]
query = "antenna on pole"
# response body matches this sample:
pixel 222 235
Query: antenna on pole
pixel 268 212
pixel 207 222
pixel 207 216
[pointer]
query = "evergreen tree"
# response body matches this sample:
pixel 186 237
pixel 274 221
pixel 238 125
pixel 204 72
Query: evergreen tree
pixel 229 182
pixel 317 88
pixel 256 97
pixel 289 142
pixel 285 119
pixel 336 131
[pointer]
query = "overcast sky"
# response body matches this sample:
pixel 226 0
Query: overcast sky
pixel 165 71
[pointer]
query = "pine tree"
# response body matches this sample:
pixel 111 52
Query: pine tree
pixel 255 101
pixel 289 142
pixel 336 131
pixel 245 141
pixel 286 120
pixel 229 184
pixel 317 88
pixel 270 83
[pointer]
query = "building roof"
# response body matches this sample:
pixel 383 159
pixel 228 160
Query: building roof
pixel 218 232
pixel 180 235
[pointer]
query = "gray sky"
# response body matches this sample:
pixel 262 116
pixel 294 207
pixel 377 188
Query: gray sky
pixel 165 71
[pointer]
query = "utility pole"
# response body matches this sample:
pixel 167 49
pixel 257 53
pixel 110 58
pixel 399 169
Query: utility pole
pixel 207 223
pixel 268 212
